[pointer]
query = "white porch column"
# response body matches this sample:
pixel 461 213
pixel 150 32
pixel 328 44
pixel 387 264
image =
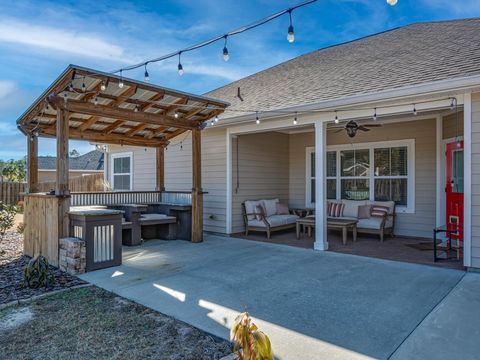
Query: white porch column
pixel 440 171
pixel 467 191
pixel 321 242
pixel 229 197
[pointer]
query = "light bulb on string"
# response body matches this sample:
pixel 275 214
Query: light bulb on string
pixel 70 87
pixel 83 86
pixel 147 76
pixel 415 112
pixel 336 118
pixel 136 108
pixel 375 114
pixel 226 55
pixel 216 118
pixel 290 33
pixel 257 119
pixel 295 122
pixel 95 101
pixel 175 115
pixel 103 86
pixel 453 104
pixel 120 83
pixel 180 67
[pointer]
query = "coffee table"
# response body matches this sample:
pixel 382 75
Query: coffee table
pixel 307 222
pixel 344 225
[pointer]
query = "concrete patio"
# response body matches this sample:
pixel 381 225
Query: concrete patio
pixel 312 304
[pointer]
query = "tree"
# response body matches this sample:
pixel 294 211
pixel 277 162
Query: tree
pixel 74 153
pixel 14 170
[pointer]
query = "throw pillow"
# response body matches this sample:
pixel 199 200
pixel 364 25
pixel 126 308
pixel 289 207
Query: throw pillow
pixel 335 209
pixel 378 211
pixel 270 206
pixel 364 211
pixel 259 212
pixel 282 209
pixel 250 208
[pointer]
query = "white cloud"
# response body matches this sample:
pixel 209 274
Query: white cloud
pixel 6 87
pixel 76 43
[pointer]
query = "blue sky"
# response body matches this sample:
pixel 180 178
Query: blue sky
pixel 38 39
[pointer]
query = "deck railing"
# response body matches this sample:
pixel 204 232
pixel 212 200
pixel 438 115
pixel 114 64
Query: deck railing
pixel 130 197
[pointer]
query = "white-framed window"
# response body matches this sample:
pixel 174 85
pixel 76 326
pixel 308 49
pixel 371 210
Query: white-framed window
pixel 121 171
pixel 378 171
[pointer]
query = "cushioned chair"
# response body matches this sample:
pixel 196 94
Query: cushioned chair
pixel 266 220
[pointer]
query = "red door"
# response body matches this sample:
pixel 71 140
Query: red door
pixel 454 188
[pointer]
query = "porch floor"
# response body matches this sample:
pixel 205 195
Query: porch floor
pixel 396 248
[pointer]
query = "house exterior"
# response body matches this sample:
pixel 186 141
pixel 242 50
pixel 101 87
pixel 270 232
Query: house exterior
pixel 420 82
pixel 86 164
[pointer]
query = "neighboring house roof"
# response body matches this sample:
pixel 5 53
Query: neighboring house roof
pixel 92 160
pixel 410 55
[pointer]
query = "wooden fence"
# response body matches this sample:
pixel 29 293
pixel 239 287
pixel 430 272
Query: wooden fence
pixel 12 192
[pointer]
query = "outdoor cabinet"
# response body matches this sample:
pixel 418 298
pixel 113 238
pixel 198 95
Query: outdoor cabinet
pixel 102 232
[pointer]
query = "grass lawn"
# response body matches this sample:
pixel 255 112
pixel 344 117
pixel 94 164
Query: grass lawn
pixel 91 323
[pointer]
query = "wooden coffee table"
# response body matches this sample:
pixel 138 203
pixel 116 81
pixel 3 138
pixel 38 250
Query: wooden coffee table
pixel 344 225
pixel 308 224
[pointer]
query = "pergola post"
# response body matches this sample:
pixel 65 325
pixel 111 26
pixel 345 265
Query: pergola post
pixel 32 164
pixel 197 193
pixel 160 168
pixel 61 190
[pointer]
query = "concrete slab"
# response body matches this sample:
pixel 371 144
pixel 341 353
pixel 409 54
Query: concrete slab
pixel 312 304
pixel 451 330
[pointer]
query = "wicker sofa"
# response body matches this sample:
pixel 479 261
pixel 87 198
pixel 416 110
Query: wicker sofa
pixel 266 220
pixel 370 225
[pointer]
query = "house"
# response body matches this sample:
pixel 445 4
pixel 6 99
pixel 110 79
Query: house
pixel 420 82
pixel 86 164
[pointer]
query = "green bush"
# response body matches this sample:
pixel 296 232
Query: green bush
pixel 37 273
pixel 7 217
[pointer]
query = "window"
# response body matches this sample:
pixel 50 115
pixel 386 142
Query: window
pixel 380 171
pixel 122 171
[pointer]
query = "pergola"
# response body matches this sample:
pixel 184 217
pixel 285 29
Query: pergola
pixel 85 104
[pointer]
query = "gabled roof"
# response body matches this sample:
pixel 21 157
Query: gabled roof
pixel 410 55
pixel 92 160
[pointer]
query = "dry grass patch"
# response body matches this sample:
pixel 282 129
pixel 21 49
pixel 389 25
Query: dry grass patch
pixel 91 323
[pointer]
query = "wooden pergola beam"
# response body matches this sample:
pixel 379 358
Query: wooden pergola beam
pixel 121 114
pixel 62 131
pixel 160 157
pixel 32 164
pixel 197 192
pixel 136 129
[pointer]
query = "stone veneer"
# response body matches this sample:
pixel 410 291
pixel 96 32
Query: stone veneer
pixel 72 257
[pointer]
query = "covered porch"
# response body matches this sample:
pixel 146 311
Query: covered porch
pixel 102 108
pixel 400 158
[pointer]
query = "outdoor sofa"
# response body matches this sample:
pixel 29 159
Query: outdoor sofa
pixel 361 210
pixel 267 216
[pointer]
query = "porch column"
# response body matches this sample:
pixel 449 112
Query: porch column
pixel 321 242
pixel 440 171
pixel 62 168
pixel 467 186
pixel 32 164
pixel 160 169
pixel 197 193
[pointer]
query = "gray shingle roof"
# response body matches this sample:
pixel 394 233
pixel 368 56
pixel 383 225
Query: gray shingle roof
pixel 410 55
pixel 92 160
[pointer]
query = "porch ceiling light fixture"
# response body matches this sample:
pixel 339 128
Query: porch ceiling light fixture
pixel 290 33
pixel 392 2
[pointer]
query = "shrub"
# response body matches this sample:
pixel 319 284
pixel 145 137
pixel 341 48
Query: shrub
pixel 7 217
pixel 249 342
pixel 37 273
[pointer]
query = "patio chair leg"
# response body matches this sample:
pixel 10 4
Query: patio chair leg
pixel 268 234
pixel 246 231
pixel 381 235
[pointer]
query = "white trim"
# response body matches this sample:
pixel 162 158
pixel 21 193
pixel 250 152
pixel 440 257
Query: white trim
pixel 467 166
pixel 73 170
pixel 116 155
pixel 229 197
pixel 321 241
pixel 439 169
pixel 409 143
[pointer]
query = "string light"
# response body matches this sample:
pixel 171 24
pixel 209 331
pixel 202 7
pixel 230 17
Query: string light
pixel 257 120
pixel 65 97
pixel 453 104
pixel 95 101
pixel 290 34
pixel 70 87
pixel 147 77
pixel 295 122
pixel 336 118
pixel 103 86
pixel 375 114
pixel 175 115
pixel 226 55
pixel 83 85
pixel 180 67
pixel 415 110
pixel 216 118
pixel 136 108
pixel 120 83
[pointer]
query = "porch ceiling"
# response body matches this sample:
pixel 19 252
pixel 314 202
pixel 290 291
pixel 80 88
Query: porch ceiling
pixel 101 110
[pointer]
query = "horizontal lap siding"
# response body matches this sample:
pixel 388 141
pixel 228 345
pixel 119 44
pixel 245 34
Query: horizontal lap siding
pixel 262 171
pixel 423 131
pixel 453 125
pixel 475 180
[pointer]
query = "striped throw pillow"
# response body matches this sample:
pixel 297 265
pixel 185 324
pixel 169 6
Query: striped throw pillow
pixel 335 209
pixel 379 211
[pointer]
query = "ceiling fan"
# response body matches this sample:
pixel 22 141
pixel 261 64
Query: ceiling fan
pixel 352 127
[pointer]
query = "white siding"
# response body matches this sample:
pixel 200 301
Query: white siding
pixel 475 180
pixel 262 171
pixel 423 221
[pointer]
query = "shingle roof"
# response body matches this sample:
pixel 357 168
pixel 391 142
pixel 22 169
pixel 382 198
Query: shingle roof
pixel 92 160
pixel 410 55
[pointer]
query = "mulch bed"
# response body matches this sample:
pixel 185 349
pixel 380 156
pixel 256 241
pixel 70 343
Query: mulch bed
pixel 12 264
pixel 91 323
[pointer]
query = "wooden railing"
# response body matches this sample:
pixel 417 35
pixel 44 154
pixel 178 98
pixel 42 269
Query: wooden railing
pixel 11 192
pixel 130 197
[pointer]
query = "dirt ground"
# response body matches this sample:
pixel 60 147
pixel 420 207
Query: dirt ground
pixel 91 323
